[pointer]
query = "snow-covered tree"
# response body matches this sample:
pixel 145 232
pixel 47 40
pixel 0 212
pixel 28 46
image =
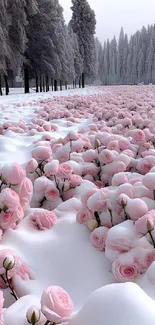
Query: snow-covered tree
pixel 83 23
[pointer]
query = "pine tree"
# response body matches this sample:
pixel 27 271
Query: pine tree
pixel 83 23
pixel 4 45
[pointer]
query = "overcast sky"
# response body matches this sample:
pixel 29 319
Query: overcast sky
pixel 112 14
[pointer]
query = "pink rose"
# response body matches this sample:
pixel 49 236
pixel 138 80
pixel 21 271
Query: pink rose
pixel 51 168
pixel 52 193
pixel 8 198
pixel 125 268
pixel 139 136
pixel 106 156
pixel 65 170
pixel 144 256
pixel 98 201
pixel 41 153
pixel 31 166
pixel 75 180
pixel 43 219
pixel 98 238
pixel 141 223
pixel 56 305
pixel 26 189
pixel 84 215
pixel 90 170
pixel 86 196
pixel 13 174
pixel 1 308
pixel 11 209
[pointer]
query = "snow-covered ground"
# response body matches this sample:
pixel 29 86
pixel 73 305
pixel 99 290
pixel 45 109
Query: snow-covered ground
pixel 63 254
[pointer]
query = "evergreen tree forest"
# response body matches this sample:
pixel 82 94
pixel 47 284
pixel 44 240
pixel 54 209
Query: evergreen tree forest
pixel 128 61
pixel 36 42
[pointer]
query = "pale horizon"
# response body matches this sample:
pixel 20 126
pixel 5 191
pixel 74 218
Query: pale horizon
pixel 111 15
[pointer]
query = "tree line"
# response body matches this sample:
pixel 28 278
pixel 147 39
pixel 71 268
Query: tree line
pixel 128 61
pixel 36 42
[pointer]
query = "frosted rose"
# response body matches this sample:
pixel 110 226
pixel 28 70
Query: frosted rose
pixel 13 174
pixel 43 219
pixel 65 170
pixel 141 223
pixel 51 168
pixel 52 193
pixel 8 198
pixel 86 196
pixel 31 166
pixel 75 180
pixel 41 153
pixel 56 305
pixel 139 136
pixel 97 202
pixel 84 215
pixel 26 189
pixel 90 170
pixel 98 238
pixel 125 268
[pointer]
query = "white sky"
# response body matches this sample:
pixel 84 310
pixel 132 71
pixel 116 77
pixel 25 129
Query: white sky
pixel 113 14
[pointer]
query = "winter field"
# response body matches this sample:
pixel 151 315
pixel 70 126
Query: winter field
pixel 77 206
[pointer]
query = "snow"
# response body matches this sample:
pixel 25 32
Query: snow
pixel 63 255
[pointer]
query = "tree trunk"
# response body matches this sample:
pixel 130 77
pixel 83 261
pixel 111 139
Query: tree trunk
pixel 83 80
pixel 6 85
pixel 26 80
pixel 79 82
pixel 61 85
pixel 73 84
pixel 43 84
pixel 66 85
pixel 47 84
pixel 0 87
pixel 37 85
pixel 55 85
pixel 52 84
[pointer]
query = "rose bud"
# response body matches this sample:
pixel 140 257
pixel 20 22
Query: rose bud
pixel 9 262
pixel 150 225
pixel 33 315
pixel 92 224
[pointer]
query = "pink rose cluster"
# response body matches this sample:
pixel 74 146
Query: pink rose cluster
pixel 121 220
pixel 56 307
pixel 15 196
pixel 19 268
pixel 58 183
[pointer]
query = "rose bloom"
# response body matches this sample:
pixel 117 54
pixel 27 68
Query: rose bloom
pixel 52 193
pixel 51 168
pixel 56 305
pixel 41 153
pixel 13 174
pixel 26 189
pixel 84 215
pixel 75 180
pixel 65 170
pixel 11 217
pixel 31 166
pixel 125 268
pixel 43 219
pixel 98 238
